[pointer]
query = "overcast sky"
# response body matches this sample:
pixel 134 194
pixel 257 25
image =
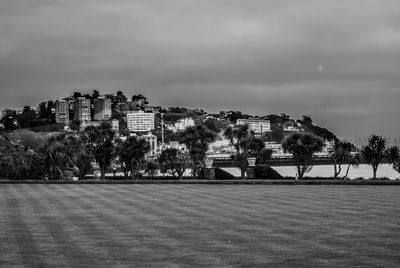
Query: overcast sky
pixel 338 61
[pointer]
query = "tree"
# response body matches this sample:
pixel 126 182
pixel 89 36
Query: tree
pixel 340 154
pixel 120 98
pixel 76 95
pixel 354 161
pixel 302 146
pixel 101 140
pixel 393 155
pixel 57 157
pixel 82 155
pixel 257 147
pixel 9 119
pixel 42 110
pixel 17 162
pixel 140 101
pixel 152 169
pixel 27 117
pixel 75 125
pixel 307 124
pixel 50 116
pixel 216 125
pixel 245 144
pixel 174 161
pixel 131 154
pixel 95 94
pixel 197 140
pixel 374 152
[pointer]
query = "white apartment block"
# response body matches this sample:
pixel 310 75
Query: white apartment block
pixel 257 125
pixel 82 109
pixel 140 121
pixel 183 123
pixel 102 109
pixel 62 112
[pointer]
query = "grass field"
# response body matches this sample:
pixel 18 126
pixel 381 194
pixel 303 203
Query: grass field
pixel 199 225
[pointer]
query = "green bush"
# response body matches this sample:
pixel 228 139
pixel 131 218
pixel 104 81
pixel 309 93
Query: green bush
pixel 266 172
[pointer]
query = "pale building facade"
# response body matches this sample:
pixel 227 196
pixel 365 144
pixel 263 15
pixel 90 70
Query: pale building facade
pixel 62 112
pixel 258 126
pixel 140 121
pixel 102 109
pixel 82 109
pixel 183 123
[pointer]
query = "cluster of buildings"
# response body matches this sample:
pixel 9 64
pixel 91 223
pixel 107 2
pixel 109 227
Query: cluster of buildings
pixel 141 122
pixel 92 112
pixel 180 125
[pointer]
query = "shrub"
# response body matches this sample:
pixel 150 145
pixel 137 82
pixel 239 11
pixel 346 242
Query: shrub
pixel 383 179
pixel 266 172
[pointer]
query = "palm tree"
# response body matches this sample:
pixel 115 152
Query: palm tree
pixel 302 146
pixel 82 155
pixel 353 161
pixel 340 154
pixel 57 157
pixel 246 145
pixel 197 140
pixel 393 155
pixel 374 152
pixel 101 144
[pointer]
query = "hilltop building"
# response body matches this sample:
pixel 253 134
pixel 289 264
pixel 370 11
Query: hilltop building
pixel 257 125
pixel 140 121
pixel 183 123
pixel 102 109
pixel 62 112
pixel 82 109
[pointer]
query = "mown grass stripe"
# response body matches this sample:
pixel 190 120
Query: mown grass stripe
pixel 208 227
pixel 29 251
pixel 10 253
pixel 165 243
pixel 187 225
pixel 97 229
pixel 62 230
pixel 34 216
pixel 235 234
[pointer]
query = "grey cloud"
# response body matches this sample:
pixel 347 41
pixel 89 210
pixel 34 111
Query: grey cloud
pixel 258 56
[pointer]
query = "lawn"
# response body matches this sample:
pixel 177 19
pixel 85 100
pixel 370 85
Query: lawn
pixel 199 225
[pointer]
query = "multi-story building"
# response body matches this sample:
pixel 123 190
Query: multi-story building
pixel 82 109
pixel 257 125
pixel 183 123
pixel 152 140
pixel 140 121
pixel 152 109
pixel 102 108
pixel 62 112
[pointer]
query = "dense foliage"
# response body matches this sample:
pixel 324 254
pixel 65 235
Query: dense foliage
pixel 302 146
pixel 197 140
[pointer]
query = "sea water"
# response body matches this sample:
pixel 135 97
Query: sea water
pixel 363 170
